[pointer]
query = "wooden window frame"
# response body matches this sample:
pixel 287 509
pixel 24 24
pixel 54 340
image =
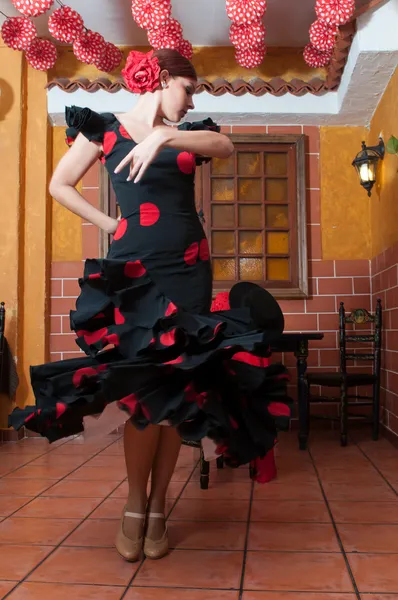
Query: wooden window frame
pixel 297 286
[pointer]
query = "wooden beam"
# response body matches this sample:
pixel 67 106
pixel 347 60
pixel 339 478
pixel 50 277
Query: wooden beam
pixel 365 7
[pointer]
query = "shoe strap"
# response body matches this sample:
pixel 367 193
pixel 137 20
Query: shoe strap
pixel 134 515
pixel 156 515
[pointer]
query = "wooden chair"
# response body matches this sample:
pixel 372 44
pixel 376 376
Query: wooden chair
pixel 345 380
pixel 204 464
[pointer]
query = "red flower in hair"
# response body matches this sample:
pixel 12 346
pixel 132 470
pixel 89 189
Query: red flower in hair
pixel 141 72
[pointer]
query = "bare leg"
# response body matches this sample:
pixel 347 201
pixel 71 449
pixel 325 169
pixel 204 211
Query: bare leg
pixel 163 467
pixel 139 451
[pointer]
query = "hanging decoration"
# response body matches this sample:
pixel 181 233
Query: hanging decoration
pixel 65 24
pixel 331 14
pixel 162 29
pixel 247 31
pixel 110 58
pixel 33 8
pixel 18 32
pixel 41 54
pixel 89 46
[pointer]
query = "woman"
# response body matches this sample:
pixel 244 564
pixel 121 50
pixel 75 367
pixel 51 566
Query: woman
pixel 143 316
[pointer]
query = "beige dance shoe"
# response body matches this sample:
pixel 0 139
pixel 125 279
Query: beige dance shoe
pixel 129 549
pixel 155 549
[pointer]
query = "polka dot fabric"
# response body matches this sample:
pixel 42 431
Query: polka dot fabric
pixel 18 32
pixel 144 321
pixel 151 14
pixel 65 24
pixel 41 54
pixel 315 58
pixel 168 35
pixel 335 12
pixel 247 37
pixel 244 12
pixel 323 36
pixel 89 47
pixel 32 8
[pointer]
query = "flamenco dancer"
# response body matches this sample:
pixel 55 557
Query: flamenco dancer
pixel 156 354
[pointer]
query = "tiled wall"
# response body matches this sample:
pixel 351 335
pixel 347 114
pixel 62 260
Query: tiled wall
pixel 385 287
pixel 330 281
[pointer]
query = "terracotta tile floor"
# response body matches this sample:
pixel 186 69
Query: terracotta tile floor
pixel 326 529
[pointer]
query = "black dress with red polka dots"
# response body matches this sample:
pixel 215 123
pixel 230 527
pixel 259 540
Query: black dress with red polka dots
pixel 144 322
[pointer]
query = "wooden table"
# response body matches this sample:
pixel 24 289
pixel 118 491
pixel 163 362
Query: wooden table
pixel 297 343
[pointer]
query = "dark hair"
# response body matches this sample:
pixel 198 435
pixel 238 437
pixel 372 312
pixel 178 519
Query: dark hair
pixel 176 64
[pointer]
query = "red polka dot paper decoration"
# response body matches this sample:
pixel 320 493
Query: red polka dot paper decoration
pixel 41 54
pixel 18 32
pixel 65 24
pixel 89 46
pixel 247 37
pixel 323 36
pixel 250 59
pixel 185 49
pixel 32 8
pixel 243 12
pixel 166 36
pixel 335 12
pixel 151 14
pixel 315 58
pixel 110 58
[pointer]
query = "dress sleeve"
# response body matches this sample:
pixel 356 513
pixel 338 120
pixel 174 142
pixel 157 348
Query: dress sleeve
pixel 206 125
pixel 85 121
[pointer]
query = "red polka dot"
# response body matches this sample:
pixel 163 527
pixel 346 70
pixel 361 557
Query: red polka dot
pixel 95 276
pixel 191 254
pixel 278 409
pixel 134 269
pixel 102 368
pixel 110 138
pixel 92 337
pixel 186 162
pixel 149 214
pixel 251 359
pixel 113 338
pixel 119 318
pixel 85 372
pixel 60 408
pixel 99 316
pixel 121 229
pixel 204 251
pixel 171 309
pixel 124 132
pixel 130 402
pixel 175 361
pixel 168 338
pixel 29 417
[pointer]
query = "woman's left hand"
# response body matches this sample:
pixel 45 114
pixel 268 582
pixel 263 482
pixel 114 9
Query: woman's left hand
pixel 141 156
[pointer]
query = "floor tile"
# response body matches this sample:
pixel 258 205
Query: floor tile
pixel 276 490
pixel 359 493
pixel 220 491
pixel 5 587
pixel 211 510
pixel 40 472
pixel 24 487
pixel 296 596
pixel 100 566
pixel 294 537
pixel 224 475
pixel 296 571
pixel 364 512
pixel 39 532
pixel 290 511
pixel 59 508
pixel 369 538
pixel 375 572
pixel 75 489
pixel 106 462
pixel 61 460
pixel 86 473
pixel 173 491
pixel 93 532
pixel 59 591
pixel 207 536
pixel 18 560
pixel 173 594
pixel 9 504
pixel 194 568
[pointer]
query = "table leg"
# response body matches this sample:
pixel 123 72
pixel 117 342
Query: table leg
pixel 302 393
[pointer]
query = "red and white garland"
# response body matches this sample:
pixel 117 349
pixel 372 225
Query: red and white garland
pixel 247 31
pixel 162 29
pixel 331 15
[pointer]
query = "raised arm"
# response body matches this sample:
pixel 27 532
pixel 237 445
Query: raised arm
pixel 204 143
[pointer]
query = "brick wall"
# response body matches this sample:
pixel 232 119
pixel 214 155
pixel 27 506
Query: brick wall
pixel 384 273
pixel 329 281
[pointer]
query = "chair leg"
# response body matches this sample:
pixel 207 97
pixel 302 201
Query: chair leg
pixel 220 462
pixel 343 414
pixel 204 471
pixel 376 411
pixel 304 416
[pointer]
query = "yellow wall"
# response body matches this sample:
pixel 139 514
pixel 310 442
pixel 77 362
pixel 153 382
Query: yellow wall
pixel 384 199
pixel 345 206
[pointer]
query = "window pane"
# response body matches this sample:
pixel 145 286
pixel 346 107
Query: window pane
pixel 278 269
pixel 223 269
pixel 222 190
pixel 277 242
pixel 249 163
pixel 250 216
pixel 250 242
pixel 276 216
pixel 276 190
pixel 223 166
pixel 250 190
pixel 222 216
pixel 223 242
pixel 276 164
pixel 251 269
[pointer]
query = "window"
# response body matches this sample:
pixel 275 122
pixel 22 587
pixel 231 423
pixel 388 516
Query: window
pixel 254 214
pixel 254 209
